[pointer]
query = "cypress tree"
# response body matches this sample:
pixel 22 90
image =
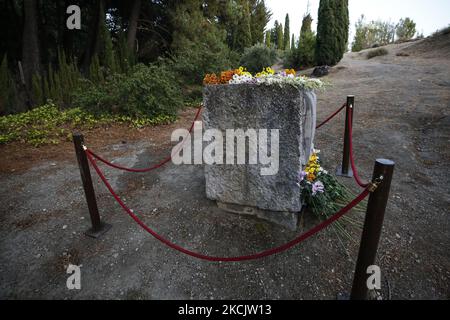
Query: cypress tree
pixel 307 43
pixel 280 37
pixel 268 40
pixel 293 43
pixel 343 23
pixel 287 33
pixel 274 35
pixel 332 31
pixel 244 34
pixel 306 24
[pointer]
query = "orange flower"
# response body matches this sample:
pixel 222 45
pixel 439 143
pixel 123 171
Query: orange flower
pixel 226 76
pixel 211 79
pixel 311 177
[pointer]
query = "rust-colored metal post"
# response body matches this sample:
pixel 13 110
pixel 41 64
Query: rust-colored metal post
pixel 345 170
pixel 98 227
pixel 373 224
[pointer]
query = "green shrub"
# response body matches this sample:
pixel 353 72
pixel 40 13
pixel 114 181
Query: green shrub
pixel 49 125
pixel 148 91
pixel 303 56
pixel 198 46
pixel 376 53
pixel 258 57
pixel 195 60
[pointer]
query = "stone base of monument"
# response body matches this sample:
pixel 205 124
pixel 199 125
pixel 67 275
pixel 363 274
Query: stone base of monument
pixel 242 188
pixel 288 220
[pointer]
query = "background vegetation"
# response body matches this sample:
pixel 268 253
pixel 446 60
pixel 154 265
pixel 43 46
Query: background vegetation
pixel 146 59
pixel 379 33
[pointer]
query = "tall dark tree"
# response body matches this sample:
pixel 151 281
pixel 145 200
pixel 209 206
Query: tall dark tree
pixel 96 28
pixel 280 37
pixel 306 24
pixel 198 44
pixel 244 32
pixel 30 41
pixel 332 31
pixel 287 34
pixel 260 17
pixel 274 34
pixel 342 22
pixel 133 24
pixel 268 40
pixel 307 43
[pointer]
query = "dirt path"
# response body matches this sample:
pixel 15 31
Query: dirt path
pixel 402 113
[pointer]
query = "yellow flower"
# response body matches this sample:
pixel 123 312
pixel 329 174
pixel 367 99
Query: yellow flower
pixel 270 70
pixel 290 71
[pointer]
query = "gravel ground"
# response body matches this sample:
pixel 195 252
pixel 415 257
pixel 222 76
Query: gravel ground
pixel 402 113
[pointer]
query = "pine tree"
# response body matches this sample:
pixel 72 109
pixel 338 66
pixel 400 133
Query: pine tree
pixel 260 17
pixel 332 31
pixel 405 29
pixel 198 44
pixel 287 34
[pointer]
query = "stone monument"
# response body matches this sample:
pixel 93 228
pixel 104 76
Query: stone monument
pixel 242 188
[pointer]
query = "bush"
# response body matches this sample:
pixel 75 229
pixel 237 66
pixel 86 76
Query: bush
pixel 148 91
pixel 191 64
pixel 258 57
pixel 198 46
pixel 304 55
pixel 376 53
pixel 49 125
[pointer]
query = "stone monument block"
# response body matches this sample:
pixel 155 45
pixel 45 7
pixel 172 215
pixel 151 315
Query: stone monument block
pixel 243 188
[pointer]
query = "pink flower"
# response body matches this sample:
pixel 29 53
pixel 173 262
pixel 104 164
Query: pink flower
pixel 301 176
pixel 318 187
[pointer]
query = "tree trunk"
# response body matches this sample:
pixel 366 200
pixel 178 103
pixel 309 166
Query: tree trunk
pixel 30 47
pixel 132 24
pixel 93 46
pixel 66 35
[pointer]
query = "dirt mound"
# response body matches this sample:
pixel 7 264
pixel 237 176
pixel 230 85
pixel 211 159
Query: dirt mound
pixel 436 46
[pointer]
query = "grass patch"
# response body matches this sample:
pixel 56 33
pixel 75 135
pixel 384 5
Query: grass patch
pixel 49 125
pixel 377 53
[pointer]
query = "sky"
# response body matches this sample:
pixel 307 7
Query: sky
pixel 429 15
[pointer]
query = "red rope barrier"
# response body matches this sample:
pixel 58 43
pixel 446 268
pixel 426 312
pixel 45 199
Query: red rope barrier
pixel 260 255
pixel 156 166
pixel 331 117
pixel 352 160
